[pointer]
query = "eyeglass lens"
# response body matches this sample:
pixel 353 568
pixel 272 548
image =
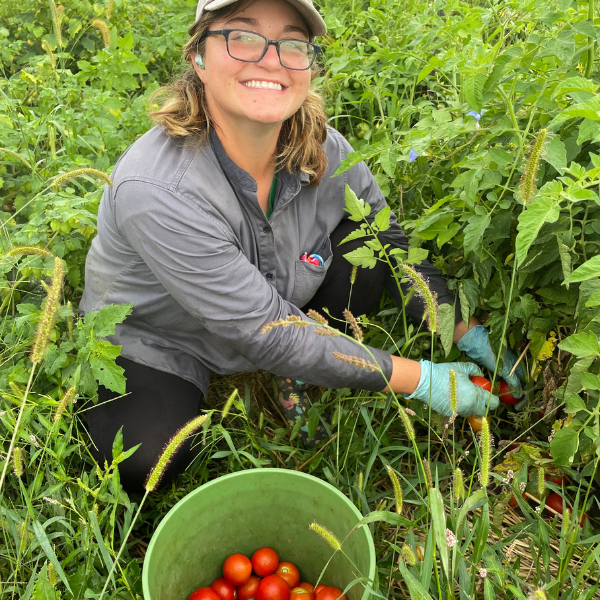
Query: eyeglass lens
pixel 248 46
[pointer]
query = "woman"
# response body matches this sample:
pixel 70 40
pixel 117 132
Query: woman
pixel 206 226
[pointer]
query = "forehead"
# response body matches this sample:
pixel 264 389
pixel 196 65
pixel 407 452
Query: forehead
pixel 272 14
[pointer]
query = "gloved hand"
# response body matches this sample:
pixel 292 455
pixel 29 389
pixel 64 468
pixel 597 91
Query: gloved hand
pixel 475 343
pixel 434 389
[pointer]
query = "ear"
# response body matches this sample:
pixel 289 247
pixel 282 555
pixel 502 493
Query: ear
pixel 200 70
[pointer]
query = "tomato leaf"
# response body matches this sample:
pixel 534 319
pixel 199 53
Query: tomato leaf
pixel 446 325
pixel 587 270
pixel 474 232
pixel 581 344
pixel 563 446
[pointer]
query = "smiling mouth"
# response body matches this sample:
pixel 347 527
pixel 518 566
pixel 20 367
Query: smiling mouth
pixel 264 85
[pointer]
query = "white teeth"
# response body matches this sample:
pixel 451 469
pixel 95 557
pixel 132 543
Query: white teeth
pixel 268 85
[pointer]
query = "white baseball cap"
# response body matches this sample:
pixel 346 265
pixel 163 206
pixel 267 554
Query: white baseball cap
pixel 304 7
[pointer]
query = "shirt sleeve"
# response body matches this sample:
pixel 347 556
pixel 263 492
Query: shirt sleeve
pixel 198 260
pixel 363 184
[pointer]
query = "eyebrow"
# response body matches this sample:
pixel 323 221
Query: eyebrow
pixel 254 23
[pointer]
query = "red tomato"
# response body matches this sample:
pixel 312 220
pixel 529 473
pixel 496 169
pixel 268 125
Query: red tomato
pixel 475 421
pixel 556 477
pixel 237 569
pixel 299 593
pixel 225 590
pixel 204 593
pixel 482 382
pixel 331 593
pixel 289 572
pixel 505 395
pixel 307 586
pixel 264 562
pixel 555 502
pixel 272 587
pixel 513 502
pixel 319 588
pixel 248 590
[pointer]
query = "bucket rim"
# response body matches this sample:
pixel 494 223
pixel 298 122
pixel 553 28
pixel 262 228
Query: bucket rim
pixel 249 472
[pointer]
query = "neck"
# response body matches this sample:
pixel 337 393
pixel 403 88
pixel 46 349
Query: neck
pixel 251 146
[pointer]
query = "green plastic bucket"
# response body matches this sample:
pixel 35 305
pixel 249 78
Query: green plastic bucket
pixel 248 510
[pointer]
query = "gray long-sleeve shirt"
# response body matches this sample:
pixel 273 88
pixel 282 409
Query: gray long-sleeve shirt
pixel 181 234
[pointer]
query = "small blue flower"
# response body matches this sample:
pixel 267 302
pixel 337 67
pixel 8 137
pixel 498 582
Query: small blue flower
pixel 412 155
pixel 475 114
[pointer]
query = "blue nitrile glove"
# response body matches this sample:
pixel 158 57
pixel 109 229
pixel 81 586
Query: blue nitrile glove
pixel 434 389
pixel 476 344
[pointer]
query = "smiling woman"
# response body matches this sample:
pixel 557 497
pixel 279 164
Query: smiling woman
pixel 227 217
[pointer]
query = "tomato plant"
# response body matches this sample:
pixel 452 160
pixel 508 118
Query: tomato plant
pixel 506 396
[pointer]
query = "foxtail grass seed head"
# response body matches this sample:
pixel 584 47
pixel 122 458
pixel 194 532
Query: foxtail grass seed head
pixel 16 390
pixel 17 156
pixel 229 404
pixel 538 594
pixel 528 185
pixel 48 318
pixel 351 320
pixel 408 555
pixel 566 521
pixel 51 132
pixel 56 18
pixel 18 461
pixel 65 177
pixel 361 363
pixel 408 426
pixel 109 9
pixel 46 48
pixel 485 446
pixel 361 480
pixel 326 535
pixel 103 27
pixel 70 321
pixel 64 403
pixel 458 485
pixel 315 316
pixel 327 332
pixel 261 421
pixel 429 298
pixel 52 575
pixel 397 488
pixel 353 274
pixel 170 450
pixel 453 391
pixel 428 473
pixel 541 483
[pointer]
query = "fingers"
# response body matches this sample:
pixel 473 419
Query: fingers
pixel 483 398
pixel 467 368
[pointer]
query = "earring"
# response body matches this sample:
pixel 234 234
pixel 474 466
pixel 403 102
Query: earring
pixel 198 60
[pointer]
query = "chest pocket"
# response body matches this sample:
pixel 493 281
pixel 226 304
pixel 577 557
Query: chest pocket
pixel 308 277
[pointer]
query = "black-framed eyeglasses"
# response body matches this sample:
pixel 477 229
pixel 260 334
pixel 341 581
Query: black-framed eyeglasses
pixel 249 46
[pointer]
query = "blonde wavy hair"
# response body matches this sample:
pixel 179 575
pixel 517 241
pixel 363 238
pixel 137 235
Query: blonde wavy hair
pixel 184 110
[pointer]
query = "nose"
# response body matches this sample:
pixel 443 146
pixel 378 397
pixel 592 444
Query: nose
pixel 270 60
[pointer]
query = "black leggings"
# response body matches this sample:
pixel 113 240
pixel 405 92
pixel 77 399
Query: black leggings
pixel 157 404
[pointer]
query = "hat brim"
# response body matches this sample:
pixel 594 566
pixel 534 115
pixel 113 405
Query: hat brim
pixel 306 9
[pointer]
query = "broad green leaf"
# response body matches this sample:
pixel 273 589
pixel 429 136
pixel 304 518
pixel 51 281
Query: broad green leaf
pixel 593 300
pixel 574 403
pixel 581 344
pixel 356 207
pixel 446 325
pixel 587 270
pixel 565 259
pixel 564 445
pixel 576 373
pixel 574 84
pixel 104 368
pixel 556 154
pixel 500 157
pixel 388 159
pixel 588 130
pixel 447 235
pixel 473 91
pixel 590 381
pixel 361 257
pixel 44 543
pixel 474 232
pixel 117 446
pixel 352 159
pixel 106 318
pixel 355 235
pixel 434 62
pixel 415 589
pixel 541 210
pixel 382 219
pixel 416 255
pixel 438 518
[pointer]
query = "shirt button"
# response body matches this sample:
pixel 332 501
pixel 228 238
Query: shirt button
pixel 266 229
pixel 269 275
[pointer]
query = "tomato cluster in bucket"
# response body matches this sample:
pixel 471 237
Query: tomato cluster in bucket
pixel 263 578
